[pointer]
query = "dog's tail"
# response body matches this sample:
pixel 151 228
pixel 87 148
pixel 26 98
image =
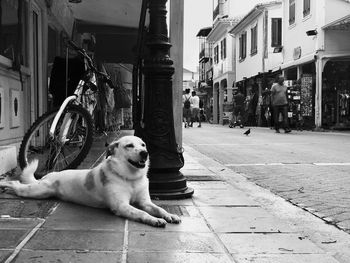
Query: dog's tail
pixel 27 176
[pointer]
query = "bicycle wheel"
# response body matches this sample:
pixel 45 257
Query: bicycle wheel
pixel 57 154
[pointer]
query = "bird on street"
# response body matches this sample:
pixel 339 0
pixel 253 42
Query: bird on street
pixel 247 132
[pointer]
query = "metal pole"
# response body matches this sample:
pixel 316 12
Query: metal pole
pixel 166 181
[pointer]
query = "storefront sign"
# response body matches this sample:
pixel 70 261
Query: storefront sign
pixel 297 53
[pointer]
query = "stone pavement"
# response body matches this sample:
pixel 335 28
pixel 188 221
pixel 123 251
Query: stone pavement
pixel 309 169
pixel 229 219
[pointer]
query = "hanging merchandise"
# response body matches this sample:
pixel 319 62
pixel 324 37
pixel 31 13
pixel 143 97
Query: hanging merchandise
pixel 294 104
pixel 306 95
pixel 121 96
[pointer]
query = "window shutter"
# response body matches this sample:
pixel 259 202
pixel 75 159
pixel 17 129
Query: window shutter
pixel 306 8
pixel 224 48
pixel 221 50
pixel 276 32
pixel 291 12
pixel 244 45
pixel 240 47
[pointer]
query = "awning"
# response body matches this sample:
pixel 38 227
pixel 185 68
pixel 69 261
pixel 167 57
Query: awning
pixel 203 32
pixel 340 24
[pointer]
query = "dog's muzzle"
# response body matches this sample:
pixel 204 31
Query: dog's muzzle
pixel 142 162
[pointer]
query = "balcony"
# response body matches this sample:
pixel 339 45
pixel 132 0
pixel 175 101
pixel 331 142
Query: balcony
pixel 205 53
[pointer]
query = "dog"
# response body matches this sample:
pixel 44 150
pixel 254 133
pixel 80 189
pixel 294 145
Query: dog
pixel 119 183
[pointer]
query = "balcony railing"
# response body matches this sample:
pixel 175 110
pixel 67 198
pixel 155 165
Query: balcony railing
pixel 204 55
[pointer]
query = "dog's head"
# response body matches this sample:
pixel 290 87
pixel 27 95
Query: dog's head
pixel 130 149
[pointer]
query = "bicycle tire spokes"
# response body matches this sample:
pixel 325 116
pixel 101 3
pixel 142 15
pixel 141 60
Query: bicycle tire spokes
pixel 66 149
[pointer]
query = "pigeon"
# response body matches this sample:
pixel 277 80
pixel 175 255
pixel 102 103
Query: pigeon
pixel 247 132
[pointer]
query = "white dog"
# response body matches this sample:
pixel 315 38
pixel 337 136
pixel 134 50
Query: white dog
pixel 119 181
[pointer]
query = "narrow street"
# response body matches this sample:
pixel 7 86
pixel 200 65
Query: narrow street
pixel 309 169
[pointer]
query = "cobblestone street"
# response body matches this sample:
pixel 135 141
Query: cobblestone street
pixel 309 169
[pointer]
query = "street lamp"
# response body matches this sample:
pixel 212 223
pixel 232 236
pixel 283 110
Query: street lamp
pixel 166 159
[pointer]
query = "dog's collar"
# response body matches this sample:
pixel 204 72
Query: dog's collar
pixel 120 175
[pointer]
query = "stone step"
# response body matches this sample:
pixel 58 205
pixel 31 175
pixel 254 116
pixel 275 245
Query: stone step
pixel 8 159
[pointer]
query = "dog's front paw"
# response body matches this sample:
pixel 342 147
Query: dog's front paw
pixel 158 222
pixel 171 218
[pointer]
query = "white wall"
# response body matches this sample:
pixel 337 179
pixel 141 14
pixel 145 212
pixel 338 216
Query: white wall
pixel 252 64
pixel 295 35
pixel 337 40
pixel 226 64
pixel 336 9
pixel 274 60
pixel 236 8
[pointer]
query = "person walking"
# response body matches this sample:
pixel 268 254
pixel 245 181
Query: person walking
pixel 280 104
pixel 186 108
pixel 238 109
pixel 195 109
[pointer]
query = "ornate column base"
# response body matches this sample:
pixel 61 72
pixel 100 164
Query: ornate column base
pixel 169 185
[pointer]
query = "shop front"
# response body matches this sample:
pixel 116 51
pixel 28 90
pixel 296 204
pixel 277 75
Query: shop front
pixel 336 95
pixel 301 83
pixel 256 90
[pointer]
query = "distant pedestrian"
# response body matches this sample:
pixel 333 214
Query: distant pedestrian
pixel 238 109
pixel 280 104
pixel 195 109
pixel 186 108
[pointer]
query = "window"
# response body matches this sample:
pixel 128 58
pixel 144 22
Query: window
pixel 11 29
pixel 243 46
pixel 216 54
pixel 254 40
pixel 306 8
pixel 223 48
pixel 276 32
pixel 291 12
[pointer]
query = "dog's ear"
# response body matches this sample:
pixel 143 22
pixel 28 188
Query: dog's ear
pixel 110 149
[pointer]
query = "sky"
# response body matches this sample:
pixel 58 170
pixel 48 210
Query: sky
pixel 197 14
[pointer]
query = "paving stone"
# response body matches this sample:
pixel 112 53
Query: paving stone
pixel 210 186
pixel 230 197
pixel 344 225
pixel 188 224
pixel 12 237
pixel 25 208
pixel 44 256
pixel 286 258
pixel 268 244
pixel 173 242
pixel 18 223
pixel 76 240
pixel 188 173
pixel 324 187
pixel 243 219
pixel 4 254
pixel 184 202
pixel 76 217
pixel 176 257
pixel 192 166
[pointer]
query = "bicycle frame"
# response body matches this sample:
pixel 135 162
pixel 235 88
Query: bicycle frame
pixel 67 120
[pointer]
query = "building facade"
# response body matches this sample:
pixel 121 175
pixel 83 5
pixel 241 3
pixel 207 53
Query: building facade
pixel 226 14
pixel 32 34
pixel 316 57
pixel 258 42
pixel 305 40
pixel 205 84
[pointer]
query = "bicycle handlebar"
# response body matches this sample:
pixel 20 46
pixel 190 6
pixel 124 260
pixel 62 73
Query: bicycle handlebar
pixel 105 77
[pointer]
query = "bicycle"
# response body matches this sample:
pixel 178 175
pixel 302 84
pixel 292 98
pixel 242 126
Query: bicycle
pixel 61 139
